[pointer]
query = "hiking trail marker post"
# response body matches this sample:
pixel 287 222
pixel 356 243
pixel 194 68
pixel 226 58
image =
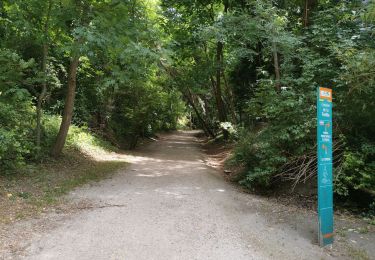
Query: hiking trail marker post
pixel 325 160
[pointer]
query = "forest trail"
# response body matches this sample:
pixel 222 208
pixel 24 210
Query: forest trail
pixel 169 205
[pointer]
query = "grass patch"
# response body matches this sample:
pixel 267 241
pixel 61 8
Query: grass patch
pixel 85 174
pixel 32 190
pixel 27 191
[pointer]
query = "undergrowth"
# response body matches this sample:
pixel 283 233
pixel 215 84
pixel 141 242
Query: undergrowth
pixel 31 187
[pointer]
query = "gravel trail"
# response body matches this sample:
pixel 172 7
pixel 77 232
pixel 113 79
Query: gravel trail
pixel 169 205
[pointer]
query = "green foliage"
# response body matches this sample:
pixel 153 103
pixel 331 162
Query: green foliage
pixel 279 139
pixel 153 110
pixel 324 54
pixel 15 143
pixel 357 170
pixel 16 113
pixel 121 89
pixel 251 152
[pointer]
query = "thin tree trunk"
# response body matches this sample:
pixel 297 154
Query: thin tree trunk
pixel 306 14
pixel 216 85
pixel 219 71
pixel 276 66
pixel 213 85
pixel 206 128
pixel 68 108
pixel 212 80
pixel 231 99
pixel 308 7
pixel 41 98
pixel 218 92
pixel 43 93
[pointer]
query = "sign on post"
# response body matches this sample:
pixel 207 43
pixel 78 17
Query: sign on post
pixel 325 160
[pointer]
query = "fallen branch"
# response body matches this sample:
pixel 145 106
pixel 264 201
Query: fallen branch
pixel 302 168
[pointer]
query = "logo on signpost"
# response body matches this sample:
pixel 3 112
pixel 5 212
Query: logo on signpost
pixel 325 93
pixel 325 185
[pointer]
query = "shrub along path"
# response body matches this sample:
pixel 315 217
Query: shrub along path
pixel 168 204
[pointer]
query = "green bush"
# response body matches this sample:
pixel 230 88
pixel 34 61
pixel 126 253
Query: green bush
pixel 357 170
pixel 16 135
pixel 284 129
pixel 254 154
pixel 16 113
pixel 285 122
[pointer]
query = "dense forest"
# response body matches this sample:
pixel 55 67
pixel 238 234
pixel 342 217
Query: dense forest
pixel 245 71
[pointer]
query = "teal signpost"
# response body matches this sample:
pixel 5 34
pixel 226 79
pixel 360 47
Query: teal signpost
pixel 325 160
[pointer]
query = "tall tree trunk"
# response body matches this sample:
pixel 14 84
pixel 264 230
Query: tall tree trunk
pixel 276 66
pixel 309 5
pixel 218 92
pixel 68 108
pixel 41 97
pixel 219 68
pixel 231 99
pixel 306 14
pixel 216 84
pixel 43 93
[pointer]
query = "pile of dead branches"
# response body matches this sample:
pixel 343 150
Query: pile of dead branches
pixel 300 169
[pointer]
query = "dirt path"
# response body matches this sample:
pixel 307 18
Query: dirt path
pixel 169 205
